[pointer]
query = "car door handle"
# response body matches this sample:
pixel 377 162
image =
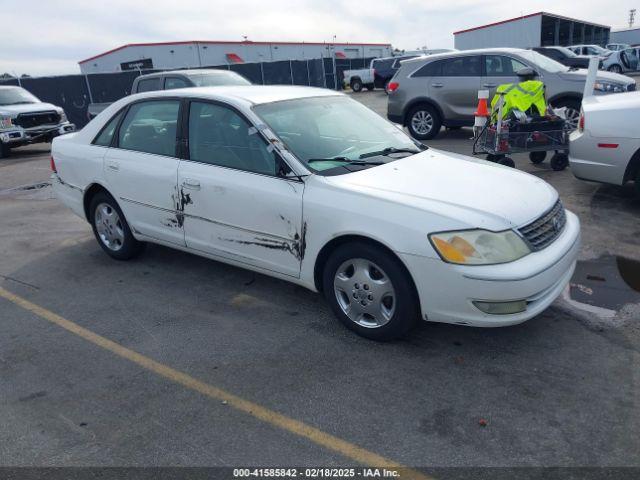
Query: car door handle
pixel 113 166
pixel 191 184
pixel 490 85
pixel 437 85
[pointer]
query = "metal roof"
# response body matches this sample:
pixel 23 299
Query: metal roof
pixel 528 16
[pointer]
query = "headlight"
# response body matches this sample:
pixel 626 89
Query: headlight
pixel 479 247
pixel 63 116
pixel 5 122
pixel 609 87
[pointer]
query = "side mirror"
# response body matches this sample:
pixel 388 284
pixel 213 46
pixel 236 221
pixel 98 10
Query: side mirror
pixel 527 72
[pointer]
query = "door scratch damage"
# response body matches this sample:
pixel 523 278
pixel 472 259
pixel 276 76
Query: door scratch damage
pixel 180 200
pixel 296 247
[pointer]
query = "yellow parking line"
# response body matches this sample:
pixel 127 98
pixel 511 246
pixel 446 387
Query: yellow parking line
pixel 346 449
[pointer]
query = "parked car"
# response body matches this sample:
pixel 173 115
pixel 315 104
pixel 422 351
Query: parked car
pixel 429 92
pixel 172 79
pixel 614 61
pixel 606 146
pixel 616 47
pixel 565 56
pixel 310 186
pixel 380 71
pixel 24 119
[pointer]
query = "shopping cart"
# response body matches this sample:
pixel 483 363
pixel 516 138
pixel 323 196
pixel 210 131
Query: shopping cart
pixel 499 139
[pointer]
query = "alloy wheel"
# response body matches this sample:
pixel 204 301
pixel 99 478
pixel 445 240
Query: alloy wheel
pixel 109 226
pixel 364 293
pixel 422 122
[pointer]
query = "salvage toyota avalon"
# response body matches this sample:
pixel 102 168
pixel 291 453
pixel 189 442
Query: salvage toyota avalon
pixel 312 187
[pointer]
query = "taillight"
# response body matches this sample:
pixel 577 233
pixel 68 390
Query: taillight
pixel 393 86
pixel 581 121
pixel 53 165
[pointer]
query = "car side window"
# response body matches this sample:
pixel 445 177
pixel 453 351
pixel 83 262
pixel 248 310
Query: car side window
pixel 432 69
pixel 501 66
pixel 150 127
pixel 106 134
pixel 462 67
pixel 220 136
pixel 148 85
pixel 171 83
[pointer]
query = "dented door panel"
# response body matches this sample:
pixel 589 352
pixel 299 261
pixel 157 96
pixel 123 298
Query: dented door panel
pixel 246 217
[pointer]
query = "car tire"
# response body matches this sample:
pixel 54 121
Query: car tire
pixel 615 68
pixel 370 291
pixel 369 87
pixel 537 157
pixel 111 228
pixel 573 112
pixel 559 162
pixel 423 122
pixel 507 162
pixel 356 85
pixel 4 150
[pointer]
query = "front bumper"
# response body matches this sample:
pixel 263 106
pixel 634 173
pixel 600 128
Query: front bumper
pixel 447 291
pixel 18 136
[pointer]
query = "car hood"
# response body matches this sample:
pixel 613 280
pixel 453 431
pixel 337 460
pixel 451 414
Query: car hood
pixel 476 193
pixel 580 75
pixel 15 110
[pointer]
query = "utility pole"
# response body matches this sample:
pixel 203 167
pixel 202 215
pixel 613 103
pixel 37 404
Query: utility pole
pixel 632 17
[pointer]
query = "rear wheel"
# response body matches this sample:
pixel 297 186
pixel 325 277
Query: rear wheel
pixel 615 68
pixel 356 85
pixel 370 291
pixel 423 122
pixel 559 161
pixel 537 157
pixel 111 228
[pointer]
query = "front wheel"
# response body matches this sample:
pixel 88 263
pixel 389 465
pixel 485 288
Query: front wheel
pixel 572 112
pixel 370 291
pixel 615 68
pixel 356 85
pixel 423 122
pixel 111 228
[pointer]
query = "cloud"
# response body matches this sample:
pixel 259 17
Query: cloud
pixel 51 37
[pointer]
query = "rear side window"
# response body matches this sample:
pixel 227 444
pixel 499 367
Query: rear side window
pixel 432 69
pixel 171 83
pixel 106 135
pixel 148 85
pixel 462 67
pixel 150 127
pixel 501 66
pixel 383 64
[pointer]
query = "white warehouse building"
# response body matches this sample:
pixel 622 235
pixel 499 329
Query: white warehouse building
pixel 192 54
pixel 534 30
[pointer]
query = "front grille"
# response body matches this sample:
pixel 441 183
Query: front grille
pixel 542 232
pixel 30 120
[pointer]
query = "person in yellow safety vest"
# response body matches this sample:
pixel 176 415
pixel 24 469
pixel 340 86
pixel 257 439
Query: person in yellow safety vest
pixel 521 96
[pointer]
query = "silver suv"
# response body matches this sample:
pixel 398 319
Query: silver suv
pixel 429 92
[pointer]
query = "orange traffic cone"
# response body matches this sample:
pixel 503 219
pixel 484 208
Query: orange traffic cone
pixel 482 112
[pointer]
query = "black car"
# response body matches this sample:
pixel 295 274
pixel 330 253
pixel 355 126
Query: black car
pixel 386 68
pixel 564 56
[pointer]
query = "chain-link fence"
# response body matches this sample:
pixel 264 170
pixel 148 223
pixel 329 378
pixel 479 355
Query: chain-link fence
pixel 74 93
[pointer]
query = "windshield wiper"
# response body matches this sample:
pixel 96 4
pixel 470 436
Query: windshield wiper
pixel 388 151
pixel 343 160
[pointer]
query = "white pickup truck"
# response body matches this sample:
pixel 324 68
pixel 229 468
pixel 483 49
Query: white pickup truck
pixel 378 75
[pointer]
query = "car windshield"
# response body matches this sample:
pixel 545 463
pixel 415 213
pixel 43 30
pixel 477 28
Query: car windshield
pixel 545 63
pixel 217 79
pixel 598 49
pixel 334 131
pixel 566 51
pixel 16 96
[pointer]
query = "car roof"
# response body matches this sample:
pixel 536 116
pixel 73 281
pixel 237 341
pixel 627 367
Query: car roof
pixel 189 72
pixel 7 87
pixel 252 94
pixel 462 53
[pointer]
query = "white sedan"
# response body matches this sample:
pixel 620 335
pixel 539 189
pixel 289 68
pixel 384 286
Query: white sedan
pixel 310 186
pixel 606 146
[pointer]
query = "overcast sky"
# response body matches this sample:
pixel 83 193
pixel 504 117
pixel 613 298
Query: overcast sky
pixel 43 37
